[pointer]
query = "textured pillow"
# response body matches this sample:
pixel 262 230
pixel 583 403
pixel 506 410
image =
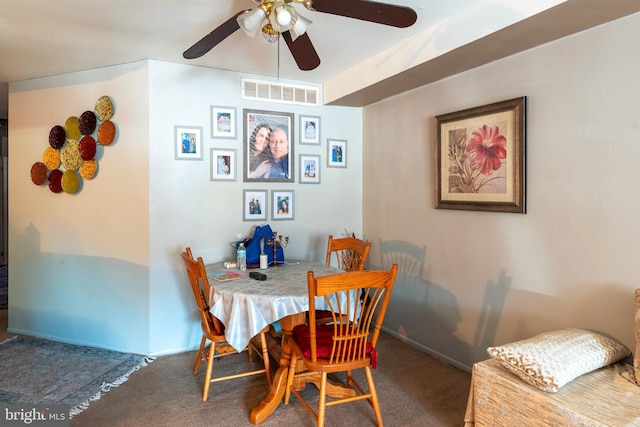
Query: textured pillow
pixel 550 360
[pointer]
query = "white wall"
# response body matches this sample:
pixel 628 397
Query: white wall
pixel 571 261
pixel 79 263
pixel 187 209
pixel 101 267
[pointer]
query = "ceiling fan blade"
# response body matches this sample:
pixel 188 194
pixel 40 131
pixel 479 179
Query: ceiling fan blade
pixel 365 10
pixel 303 51
pixel 212 39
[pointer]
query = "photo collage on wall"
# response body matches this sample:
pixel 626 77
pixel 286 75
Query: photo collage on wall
pixel 266 154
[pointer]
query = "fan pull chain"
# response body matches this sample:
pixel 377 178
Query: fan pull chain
pixel 279 56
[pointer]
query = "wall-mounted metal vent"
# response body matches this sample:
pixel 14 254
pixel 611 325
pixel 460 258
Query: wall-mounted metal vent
pixel 280 92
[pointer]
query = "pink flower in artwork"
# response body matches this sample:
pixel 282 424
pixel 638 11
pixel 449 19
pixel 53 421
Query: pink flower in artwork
pixel 486 147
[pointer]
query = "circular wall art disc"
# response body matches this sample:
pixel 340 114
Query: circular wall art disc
pixel 70 181
pixel 87 123
pixel 55 181
pixel 38 173
pixel 72 125
pixel 57 136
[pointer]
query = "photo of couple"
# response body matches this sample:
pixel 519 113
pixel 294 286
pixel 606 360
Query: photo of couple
pixel 268 146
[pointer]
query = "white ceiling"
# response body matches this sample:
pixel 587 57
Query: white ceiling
pixel 41 38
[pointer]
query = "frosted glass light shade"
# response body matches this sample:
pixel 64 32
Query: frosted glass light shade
pixel 300 27
pixel 252 21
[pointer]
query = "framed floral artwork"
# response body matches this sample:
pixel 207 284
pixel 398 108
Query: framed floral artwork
pixel 188 142
pixel 223 164
pixel 309 166
pixel 282 202
pixel 254 205
pixel 223 122
pixel 336 153
pixel 309 130
pixel 268 146
pixel 480 158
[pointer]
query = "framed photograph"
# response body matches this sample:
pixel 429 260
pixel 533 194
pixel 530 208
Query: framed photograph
pixel 336 153
pixel 309 166
pixel 254 205
pixel 282 202
pixel 223 164
pixel 480 158
pixel 223 122
pixel 188 142
pixel 309 130
pixel 268 146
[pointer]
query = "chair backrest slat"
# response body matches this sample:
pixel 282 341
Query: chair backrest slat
pixel 358 302
pixel 200 286
pixel 350 253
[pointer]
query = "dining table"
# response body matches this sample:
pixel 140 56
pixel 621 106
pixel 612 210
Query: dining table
pixel 246 305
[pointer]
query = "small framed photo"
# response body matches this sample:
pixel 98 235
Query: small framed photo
pixel 309 169
pixel 282 202
pixel 336 153
pixel 223 164
pixel 224 123
pixel 254 205
pixel 188 142
pixel 309 130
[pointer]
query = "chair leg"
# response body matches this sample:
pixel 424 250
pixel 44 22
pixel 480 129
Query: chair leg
pixel 250 352
pixel 200 356
pixel 322 403
pixel 207 379
pixel 349 377
pixel 374 396
pixel 291 374
pixel 265 357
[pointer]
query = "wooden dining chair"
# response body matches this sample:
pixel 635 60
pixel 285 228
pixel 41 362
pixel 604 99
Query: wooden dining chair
pixel 358 302
pixel 213 330
pixel 348 253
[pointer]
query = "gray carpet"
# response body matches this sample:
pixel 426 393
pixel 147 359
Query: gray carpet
pixel 45 372
pixel 415 389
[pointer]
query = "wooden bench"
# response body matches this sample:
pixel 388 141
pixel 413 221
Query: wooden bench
pixel 599 398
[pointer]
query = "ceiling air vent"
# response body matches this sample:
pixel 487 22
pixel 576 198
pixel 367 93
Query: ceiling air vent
pixel 279 92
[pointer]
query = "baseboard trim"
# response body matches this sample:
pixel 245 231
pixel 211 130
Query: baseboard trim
pixel 428 350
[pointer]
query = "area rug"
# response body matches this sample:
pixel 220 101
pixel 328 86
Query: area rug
pixel 4 287
pixel 46 372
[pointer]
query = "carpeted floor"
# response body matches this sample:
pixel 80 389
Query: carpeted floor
pixel 45 372
pixel 415 390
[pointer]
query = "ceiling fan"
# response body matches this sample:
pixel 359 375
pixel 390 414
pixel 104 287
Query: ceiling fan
pixel 278 17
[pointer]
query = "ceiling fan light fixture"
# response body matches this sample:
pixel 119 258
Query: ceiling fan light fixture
pixel 282 16
pixel 252 21
pixel 269 33
pixel 300 27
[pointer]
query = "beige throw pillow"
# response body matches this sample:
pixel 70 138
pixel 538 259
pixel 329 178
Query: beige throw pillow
pixel 552 359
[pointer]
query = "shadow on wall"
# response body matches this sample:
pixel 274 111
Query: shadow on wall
pixel 426 314
pixel 94 301
pixel 492 306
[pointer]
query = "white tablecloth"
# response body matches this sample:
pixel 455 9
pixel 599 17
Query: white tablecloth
pixel 246 306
